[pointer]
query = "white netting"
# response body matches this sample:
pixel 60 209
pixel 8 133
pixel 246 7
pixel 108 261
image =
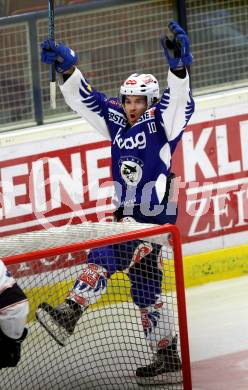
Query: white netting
pixel 69 234
pixel 110 340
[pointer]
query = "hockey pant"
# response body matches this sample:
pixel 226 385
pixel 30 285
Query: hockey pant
pixel 142 260
pixel 13 315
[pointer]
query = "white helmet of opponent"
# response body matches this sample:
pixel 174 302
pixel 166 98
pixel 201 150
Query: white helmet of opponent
pixel 141 84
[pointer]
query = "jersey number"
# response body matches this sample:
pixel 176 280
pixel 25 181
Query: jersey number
pixel 152 127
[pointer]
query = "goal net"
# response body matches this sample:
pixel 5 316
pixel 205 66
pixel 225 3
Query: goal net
pixel 137 310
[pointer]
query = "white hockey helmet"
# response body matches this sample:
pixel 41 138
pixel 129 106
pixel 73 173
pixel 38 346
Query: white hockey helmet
pixel 141 85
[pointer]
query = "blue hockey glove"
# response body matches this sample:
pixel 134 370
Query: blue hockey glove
pixel 58 54
pixel 177 47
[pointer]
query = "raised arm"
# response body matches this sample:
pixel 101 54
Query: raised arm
pixel 176 105
pixel 78 93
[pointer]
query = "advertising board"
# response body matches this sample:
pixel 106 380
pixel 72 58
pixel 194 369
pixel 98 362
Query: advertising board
pixel 61 173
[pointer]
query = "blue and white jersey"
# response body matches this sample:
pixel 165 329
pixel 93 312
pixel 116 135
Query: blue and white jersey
pixel 141 154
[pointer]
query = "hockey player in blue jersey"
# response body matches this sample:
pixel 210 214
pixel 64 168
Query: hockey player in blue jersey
pixel 144 130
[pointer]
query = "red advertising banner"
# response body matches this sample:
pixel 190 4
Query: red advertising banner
pixel 55 188
pixel 73 184
pixel 212 163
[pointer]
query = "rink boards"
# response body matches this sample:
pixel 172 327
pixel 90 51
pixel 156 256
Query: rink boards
pixel 60 173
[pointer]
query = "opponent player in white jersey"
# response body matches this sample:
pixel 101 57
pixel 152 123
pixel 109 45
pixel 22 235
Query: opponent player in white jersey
pixel 144 132
pixel 13 316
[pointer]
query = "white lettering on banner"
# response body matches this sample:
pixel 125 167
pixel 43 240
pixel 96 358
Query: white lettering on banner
pixel 220 208
pixel 59 176
pixel 139 141
pixel 22 267
pixel 219 204
pixel 225 167
pixel 36 187
pixel 50 261
pixel 202 209
pixel 244 143
pixel 37 181
pixel 96 174
pixel 74 181
pixel 194 155
pixel 242 202
pixel 11 191
pixel 49 264
pixel 212 153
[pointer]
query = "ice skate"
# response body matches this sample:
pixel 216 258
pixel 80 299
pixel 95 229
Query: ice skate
pixel 165 369
pixel 59 322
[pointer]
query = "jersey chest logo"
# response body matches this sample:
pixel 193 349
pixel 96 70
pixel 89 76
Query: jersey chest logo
pixel 138 141
pixel 131 170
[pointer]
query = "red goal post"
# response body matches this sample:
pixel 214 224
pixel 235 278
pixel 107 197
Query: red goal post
pixel 34 247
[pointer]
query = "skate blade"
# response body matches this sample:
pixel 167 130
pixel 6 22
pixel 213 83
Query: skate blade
pixel 57 332
pixel 168 378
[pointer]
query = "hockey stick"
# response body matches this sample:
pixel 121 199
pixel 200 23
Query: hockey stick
pixel 52 67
